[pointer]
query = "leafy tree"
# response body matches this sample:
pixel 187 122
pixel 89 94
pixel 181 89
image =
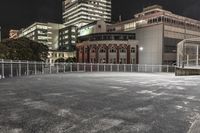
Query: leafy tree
pixel 71 59
pixel 3 51
pixel 60 60
pixel 23 49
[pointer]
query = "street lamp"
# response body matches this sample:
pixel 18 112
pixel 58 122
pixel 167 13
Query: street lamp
pixel 141 48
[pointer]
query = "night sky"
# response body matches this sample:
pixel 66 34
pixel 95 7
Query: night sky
pixel 21 13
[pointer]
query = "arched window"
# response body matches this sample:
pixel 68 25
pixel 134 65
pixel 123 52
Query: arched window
pixel 122 50
pixel 93 50
pixel 113 50
pixel 132 50
pixel 102 50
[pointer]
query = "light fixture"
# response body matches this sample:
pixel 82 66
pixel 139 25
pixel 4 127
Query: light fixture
pixel 141 48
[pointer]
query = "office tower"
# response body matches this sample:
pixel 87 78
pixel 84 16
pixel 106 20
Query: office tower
pixel 82 12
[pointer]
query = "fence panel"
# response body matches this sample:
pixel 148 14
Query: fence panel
pixel 9 68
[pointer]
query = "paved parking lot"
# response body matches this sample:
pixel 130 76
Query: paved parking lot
pixel 100 103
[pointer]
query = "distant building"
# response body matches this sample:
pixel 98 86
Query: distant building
pixel 14 34
pixel 83 12
pixel 67 38
pixel 54 55
pixel 57 37
pixel 158 32
pixel 0 34
pixel 46 33
pixel 108 48
pixel 99 26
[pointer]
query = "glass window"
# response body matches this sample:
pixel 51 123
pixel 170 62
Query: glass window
pixel 133 50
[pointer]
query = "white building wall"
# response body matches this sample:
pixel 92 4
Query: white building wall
pixel 151 40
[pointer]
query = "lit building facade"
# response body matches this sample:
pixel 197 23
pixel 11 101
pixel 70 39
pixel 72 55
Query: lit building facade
pixel 83 12
pixel 54 55
pixel 67 38
pixel 46 33
pixel 113 48
pixel 158 32
pixel 99 26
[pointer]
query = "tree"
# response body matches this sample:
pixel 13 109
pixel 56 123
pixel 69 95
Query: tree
pixel 3 51
pixel 23 49
pixel 60 60
pixel 71 59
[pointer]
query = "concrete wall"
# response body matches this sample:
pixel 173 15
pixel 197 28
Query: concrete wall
pixel 186 72
pixel 151 39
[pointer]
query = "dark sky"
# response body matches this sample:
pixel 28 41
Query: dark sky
pixel 21 13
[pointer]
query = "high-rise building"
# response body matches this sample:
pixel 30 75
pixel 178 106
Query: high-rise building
pixel 82 12
pixel 46 33
pixel 158 32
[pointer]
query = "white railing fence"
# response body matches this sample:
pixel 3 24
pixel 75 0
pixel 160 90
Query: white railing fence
pixel 13 68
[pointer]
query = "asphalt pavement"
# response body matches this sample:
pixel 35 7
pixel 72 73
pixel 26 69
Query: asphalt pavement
pixel 100 103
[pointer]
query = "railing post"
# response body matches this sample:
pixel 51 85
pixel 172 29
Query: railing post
pixel 50 71
pixel 84 66
pixel 43 67
pixel 118 67
pixel 104 67
pixel 91 67
pixel 167 68
pixel 2 69
pixel 71 67
pixel 124 68
pixel 145 68
pixel 131 67
pixel 160 68
pixel 11 68
pixel 111 67
pixel 64 67
pixel 138 68
pixel 20 68
pixel 35 67
pixel 197 56
pixel 57 67
pixel 78 67
pixel 27 68
pixel 98 67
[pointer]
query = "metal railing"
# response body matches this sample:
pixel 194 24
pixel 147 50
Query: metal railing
pixel 13 68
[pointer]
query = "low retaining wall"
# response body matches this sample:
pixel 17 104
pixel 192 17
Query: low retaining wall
pixel 187 72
